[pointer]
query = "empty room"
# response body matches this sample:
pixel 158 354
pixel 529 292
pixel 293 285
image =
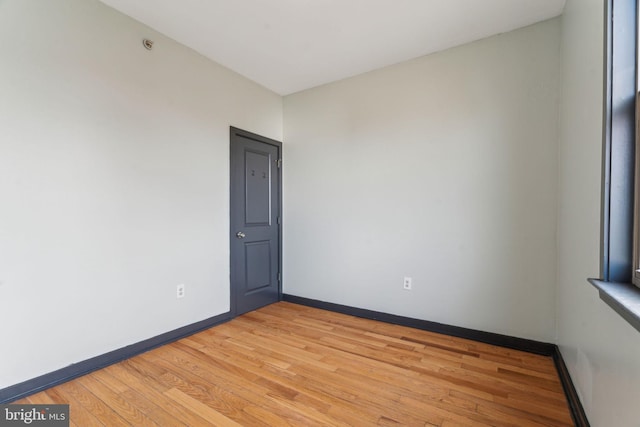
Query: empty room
pixel 315 213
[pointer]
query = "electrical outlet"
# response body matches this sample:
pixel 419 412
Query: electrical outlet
pixel 407 283
pixel 180 291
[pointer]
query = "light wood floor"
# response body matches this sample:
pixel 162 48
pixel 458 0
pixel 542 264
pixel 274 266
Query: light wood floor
pixel 287 364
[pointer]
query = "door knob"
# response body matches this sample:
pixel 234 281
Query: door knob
pixel 240 235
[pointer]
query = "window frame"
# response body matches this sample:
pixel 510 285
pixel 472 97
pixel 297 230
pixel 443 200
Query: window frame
pixel 636 205
pixel 620 226
pixel 619 129
pixel 635 279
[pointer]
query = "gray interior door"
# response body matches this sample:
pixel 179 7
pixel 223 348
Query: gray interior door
pixel 255 221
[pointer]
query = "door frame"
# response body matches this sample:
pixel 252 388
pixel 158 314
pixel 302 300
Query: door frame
pixel 234 133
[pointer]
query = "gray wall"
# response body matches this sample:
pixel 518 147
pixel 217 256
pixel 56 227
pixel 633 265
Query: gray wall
pixel 113 181
pixel 601 350
pixel 443 169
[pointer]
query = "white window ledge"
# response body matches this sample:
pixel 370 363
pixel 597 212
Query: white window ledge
pixel 623 298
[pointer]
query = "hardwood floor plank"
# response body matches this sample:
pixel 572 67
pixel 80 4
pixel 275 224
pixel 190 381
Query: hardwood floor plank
pixel 195 405
pixel 40 399
pixel 126 391
pixel 242 383
pixel 120 406
pixel 142 387
pixel 261 415
pixel 80 417
pixel 291 365
pixel 89 402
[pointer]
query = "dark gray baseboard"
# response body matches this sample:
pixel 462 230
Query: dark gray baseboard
pixel 575 406
pixel 530 346
pixel 75 370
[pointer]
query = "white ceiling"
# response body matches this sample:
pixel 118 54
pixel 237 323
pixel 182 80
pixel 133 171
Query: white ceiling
pixel 292 45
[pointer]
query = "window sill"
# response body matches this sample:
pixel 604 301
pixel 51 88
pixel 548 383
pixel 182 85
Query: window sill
pixel 623 298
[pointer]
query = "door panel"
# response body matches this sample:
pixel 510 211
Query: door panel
pixel 258 259
pixel 258 195
pixel 255 228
